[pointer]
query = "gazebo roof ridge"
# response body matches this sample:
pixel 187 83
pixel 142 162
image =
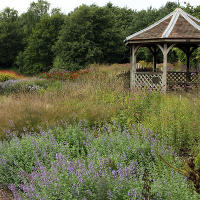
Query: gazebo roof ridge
pixel 177 24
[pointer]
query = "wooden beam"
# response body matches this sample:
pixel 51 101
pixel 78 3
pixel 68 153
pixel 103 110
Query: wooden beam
pixel 164 77
pixel 188 50
pixel 133 65
pixel 165 50
pixel 154 52
pixel 163 40
pixel 154 62
pixel 188 62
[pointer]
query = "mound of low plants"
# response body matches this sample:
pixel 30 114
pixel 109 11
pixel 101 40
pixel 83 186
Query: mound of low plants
pixel 23 86
pixel 57 74
pixel 74 162
pixel 6 75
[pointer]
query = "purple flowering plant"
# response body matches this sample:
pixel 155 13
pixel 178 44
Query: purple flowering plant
pixel 23 86
pixel 71 162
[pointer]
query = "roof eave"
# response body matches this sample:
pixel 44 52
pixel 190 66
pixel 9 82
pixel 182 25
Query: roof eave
pixel 149 27
pixel 163 40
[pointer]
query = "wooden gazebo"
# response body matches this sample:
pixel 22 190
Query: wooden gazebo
pixel 178 29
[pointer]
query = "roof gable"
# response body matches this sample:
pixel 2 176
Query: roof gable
pixel 177 24
pixel 184 29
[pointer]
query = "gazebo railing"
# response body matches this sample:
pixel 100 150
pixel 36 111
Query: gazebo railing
pixel 153 80
pixel 183 79
pixel 148 80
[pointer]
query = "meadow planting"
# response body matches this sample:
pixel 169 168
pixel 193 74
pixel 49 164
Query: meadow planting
pixel 85 135
pixel 9 75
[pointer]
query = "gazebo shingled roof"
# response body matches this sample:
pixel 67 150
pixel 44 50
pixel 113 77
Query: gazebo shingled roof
pixel 178 29
pixel 176 25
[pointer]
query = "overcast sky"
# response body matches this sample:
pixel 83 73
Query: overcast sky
pixel 68 5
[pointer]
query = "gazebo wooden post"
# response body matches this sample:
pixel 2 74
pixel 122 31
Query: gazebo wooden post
pixel 154 52
pixel 188 66
pixel 154 61
pixel 188 62
pixel 188 52
pixel 188 55
pixel 165 50
pixel 164 76
pixel 133 66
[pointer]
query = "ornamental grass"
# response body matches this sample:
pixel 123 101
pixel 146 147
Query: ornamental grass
pixel 100 96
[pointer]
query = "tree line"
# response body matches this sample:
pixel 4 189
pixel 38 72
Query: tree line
pixel 39 39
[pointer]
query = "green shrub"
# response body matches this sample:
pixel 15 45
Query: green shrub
pixel 5 77
pixel 173 119
pixel 23 86
pixel 73 138
pixel 21 155
pixel 8 75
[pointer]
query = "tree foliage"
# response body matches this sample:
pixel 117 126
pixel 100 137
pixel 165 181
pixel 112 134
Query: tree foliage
pixel 34 14
pixel 38 39
pixel 38 55
pixel 10 37
pixel 89 35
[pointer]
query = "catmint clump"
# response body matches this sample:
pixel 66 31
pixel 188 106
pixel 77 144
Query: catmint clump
pixel 70 162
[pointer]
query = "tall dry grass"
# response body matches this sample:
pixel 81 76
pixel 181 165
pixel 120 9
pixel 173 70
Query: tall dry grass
pixel 99 97
pixel 87 98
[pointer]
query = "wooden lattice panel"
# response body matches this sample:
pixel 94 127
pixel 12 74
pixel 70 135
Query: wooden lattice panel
pixel 182 79
pixel 176 77
pixel 153 80
pixel 148 80
pixel 194 77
